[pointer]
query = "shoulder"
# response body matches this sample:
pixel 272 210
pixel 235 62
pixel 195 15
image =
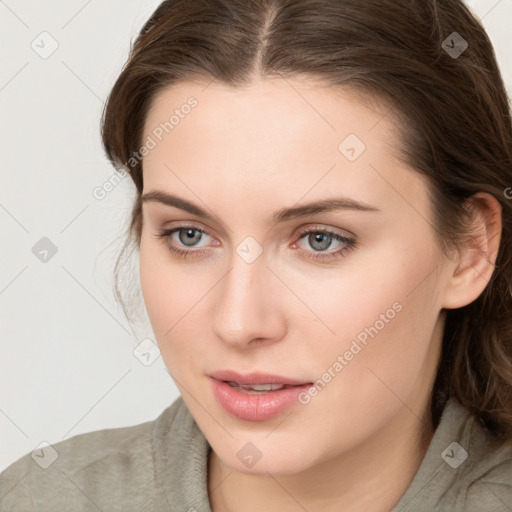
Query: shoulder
pixel 85 471
pixel 463 470
pixel 489 479
pixel 486 473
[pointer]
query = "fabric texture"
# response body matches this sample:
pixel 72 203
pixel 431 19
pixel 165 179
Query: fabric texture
pixel 161 466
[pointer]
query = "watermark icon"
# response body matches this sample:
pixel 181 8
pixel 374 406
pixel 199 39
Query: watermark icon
pixel 352 147
pixel 249 455
pixel 355 348
pixel 146 352
pixel 44 454
pixel 455 45
pixel 454 455
pixel 44 45
pixel 249 250
pixel 44 250
pixel 150 143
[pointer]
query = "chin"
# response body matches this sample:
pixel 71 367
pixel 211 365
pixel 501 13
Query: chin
pixel 273 465
pixel 256 457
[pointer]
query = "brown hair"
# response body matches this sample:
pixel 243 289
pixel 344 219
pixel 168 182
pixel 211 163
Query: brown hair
pixel 455 127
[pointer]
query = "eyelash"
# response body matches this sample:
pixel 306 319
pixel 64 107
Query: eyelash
pixel 350 243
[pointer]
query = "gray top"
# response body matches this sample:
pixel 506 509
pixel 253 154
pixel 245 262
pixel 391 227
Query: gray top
pixel 161 465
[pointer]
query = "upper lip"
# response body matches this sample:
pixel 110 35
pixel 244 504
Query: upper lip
pixel 255 378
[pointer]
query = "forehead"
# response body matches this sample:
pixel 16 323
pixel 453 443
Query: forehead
pixel 266 119
pixel 268 105
pixel 273 138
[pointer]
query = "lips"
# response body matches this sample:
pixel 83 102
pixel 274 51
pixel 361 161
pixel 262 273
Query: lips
pixel 258 388
pixel 256 378
pixel 249 405
pixel 256 396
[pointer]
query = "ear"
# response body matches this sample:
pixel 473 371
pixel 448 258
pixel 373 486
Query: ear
pixel 475 262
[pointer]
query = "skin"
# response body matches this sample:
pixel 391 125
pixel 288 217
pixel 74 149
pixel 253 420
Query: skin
pixel 243 154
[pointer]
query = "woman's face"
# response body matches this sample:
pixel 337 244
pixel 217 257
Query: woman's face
pixel 358 318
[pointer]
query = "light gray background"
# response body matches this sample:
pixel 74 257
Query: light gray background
pixel 67 364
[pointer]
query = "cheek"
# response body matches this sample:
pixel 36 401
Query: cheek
pixel 383 311
pixel 163 292
pixel 153 284
pixel 174 295
pixel 368 289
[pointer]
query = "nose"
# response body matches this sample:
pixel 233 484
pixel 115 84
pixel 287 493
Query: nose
pixel 248 311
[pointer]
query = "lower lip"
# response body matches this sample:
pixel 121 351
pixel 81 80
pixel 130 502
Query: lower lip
pixel 256 407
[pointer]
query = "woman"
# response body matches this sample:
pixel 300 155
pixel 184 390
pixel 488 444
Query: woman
pixel 323 219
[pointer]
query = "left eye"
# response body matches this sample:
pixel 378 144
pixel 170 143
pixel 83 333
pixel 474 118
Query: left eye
pixel 322 238
pixel 189 235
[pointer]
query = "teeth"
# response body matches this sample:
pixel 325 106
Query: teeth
pixel 259 387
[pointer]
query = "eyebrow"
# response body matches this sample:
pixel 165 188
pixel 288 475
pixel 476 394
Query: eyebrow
pixel 283 215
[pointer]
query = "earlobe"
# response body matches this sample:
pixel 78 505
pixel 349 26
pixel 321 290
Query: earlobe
pixel 475 265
